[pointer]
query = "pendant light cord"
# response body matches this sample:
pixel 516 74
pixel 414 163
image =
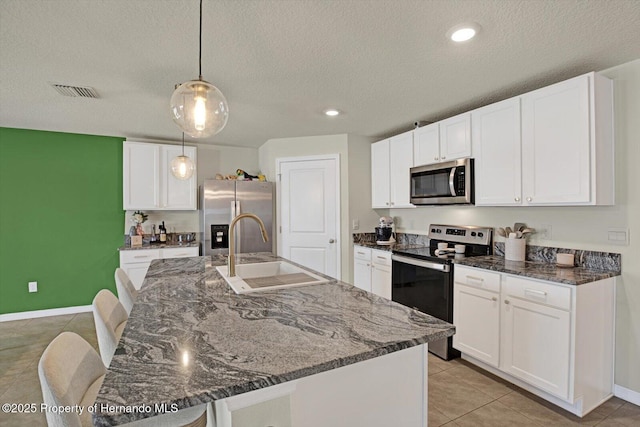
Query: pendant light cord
pixel 182 144
pixel 200 49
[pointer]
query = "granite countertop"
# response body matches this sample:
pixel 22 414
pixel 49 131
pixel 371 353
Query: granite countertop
pixel 388 248
pixel 191 340
pixel 160 246
pixel 538 270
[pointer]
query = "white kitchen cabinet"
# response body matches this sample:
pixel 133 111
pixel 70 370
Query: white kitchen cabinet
pixel 391 160
pixel 536 338
pixel 552 146
pixel 554 340
pixel 136 262
pixel 381 273
pixel 476 314
pixel 567 143
pixel 147 180
pixel 362 268
pixel 445 140
pixel 372 270
pixel 496 150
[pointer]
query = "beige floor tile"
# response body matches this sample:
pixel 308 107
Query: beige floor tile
pixel 449 424
pixel 437 418
pixel 544 412
pixel 22 420
pixel 453 397
pixel 434 366
pixel 628 415
pixel 483 381
pixel 608 407
pixel 495 414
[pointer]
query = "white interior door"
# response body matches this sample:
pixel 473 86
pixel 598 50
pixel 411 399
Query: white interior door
pixel 310 213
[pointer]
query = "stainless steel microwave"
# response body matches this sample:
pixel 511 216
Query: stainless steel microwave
pixel 447 183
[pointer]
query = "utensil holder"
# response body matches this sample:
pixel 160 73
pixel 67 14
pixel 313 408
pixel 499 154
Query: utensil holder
pixel 515 249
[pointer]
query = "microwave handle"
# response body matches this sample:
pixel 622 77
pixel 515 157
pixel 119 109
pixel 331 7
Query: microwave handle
pixel 452 176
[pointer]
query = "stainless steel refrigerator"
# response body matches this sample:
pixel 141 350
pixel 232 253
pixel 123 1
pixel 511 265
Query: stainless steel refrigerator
pixel 222 201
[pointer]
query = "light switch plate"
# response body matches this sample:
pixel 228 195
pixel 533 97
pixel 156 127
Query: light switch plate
pixel 33 286
pixel 618 236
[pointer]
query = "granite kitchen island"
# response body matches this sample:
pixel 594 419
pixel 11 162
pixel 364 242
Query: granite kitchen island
pixel 329 354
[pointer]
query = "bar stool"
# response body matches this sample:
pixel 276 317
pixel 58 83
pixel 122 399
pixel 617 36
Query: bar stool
pixel 71 373
pixel 127 293
pixel 110 318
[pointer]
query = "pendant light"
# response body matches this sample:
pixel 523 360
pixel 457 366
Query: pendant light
pixel 197 106
pixel 182 167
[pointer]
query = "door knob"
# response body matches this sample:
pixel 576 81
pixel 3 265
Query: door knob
pixel 332 241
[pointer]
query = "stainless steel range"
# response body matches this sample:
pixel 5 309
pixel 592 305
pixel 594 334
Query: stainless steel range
pixel 423 278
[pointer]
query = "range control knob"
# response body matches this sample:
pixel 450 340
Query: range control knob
pixel 473 234
pixel 433 230
pixel 480 234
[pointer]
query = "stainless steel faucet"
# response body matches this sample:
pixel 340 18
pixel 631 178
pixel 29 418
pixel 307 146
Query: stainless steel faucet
pixel 231 260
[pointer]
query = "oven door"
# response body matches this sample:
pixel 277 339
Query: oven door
pixel 443 183
pixel 423 285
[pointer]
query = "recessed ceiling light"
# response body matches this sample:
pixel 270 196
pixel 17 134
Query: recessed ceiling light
pixel 463 32
pixel 331 112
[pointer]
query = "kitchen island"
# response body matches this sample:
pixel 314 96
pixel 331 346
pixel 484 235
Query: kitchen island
pixel 329 354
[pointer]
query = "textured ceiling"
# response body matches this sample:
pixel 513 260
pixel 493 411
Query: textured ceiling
pixel 384 63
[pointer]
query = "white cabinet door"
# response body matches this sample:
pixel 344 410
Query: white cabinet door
pixel 426 145
pixel 556 143
pixel 381 273
pixel 496 149
pixel 141 176
pixel 136 272
pixel 176 193
pixel 380 175
pixel 536 344
pixel 455 137
pixel 476 314
pixel 362 274
pixel 401 161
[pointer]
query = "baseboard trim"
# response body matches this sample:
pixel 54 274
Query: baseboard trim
pixel 626 394
pixel 45 313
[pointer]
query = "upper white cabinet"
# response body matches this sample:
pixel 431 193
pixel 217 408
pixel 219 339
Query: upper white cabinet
pixel 567 143
pixel 496 149
pixel 446 140
pixel 148 182
pixel 391 160
pixel 552 146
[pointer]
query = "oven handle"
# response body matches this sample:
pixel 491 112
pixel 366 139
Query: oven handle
pixel 445 268
pixel 452 176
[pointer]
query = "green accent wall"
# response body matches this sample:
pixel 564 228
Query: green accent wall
pixel 61 217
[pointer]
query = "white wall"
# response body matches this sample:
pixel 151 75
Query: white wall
pixel 582 227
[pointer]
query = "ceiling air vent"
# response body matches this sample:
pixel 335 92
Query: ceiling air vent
pixel 75 91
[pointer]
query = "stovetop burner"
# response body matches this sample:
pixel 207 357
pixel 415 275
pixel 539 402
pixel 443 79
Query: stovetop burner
pixel 477 241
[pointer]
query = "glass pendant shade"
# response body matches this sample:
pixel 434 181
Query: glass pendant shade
pixel 182 167
pixel 199 108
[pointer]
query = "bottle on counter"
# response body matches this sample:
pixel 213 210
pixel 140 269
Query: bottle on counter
pixel 163 233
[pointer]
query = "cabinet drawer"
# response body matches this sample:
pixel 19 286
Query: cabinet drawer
pixel 180 252
pixel 140 255
pixel 477 278
pixel 360 252
pixel 540 292
pixel 381 257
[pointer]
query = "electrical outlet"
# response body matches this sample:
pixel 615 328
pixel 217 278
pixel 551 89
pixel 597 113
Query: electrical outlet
pixel 544 232
pixel 618 236
pixel 33 286
pixel 356 224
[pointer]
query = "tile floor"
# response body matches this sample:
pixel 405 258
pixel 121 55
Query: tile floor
pixel 460 394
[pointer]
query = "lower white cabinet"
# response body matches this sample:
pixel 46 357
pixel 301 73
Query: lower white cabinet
pixel 136 262
pixel 372 270
pixel 555 340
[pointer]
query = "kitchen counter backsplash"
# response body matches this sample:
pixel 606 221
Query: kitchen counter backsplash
pixel 401 239
pixel 605 261
pixel 172 239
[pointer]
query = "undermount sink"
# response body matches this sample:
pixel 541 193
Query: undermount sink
pixel 268 275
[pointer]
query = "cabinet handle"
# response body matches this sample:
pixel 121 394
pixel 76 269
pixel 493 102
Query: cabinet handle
pixel 381 257
pixel 392 203
pixel 141 256
pixel 361 253
pixel 368 265
pixel 506 301
pixel 387 203
pixel 184 253
pixel 529 199
pixel 517 199
pixel 443 158
pixel 494 299
pixel 435 158
pixel 475 278
pixel 535 293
